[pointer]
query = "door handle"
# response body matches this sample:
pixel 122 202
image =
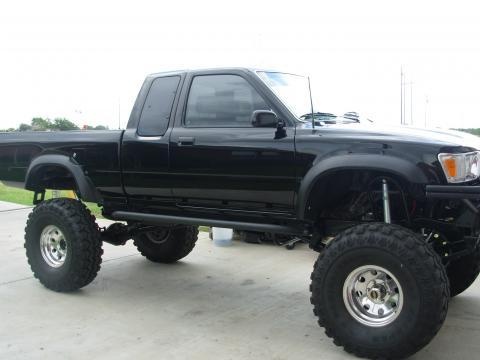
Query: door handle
pixel 185 141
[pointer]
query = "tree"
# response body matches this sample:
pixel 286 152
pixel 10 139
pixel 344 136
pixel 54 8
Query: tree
pixel 471 131
pixel 24 127
pixel 45 124
pixel 63 124
pixel 98 127
pixel 41 124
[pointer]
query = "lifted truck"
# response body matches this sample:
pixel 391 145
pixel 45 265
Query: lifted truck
pixel 393 212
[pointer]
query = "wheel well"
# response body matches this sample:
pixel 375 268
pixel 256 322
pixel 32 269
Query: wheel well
pixel 344 194
pixel 56 171
pixel 51 177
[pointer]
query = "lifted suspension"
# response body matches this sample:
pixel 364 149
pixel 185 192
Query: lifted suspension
pixel 118 234
pixel 387 217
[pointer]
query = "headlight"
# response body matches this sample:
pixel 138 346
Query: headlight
pixel 460 167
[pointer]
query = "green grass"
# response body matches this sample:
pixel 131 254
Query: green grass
pixel 15 195
pixel 25 197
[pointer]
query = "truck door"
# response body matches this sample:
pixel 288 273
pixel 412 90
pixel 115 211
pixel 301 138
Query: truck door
pixel 145 144
pixel 219 160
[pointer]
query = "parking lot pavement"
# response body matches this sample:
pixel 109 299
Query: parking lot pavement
pixel 239 302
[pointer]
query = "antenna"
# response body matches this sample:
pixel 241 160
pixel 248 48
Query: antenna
pixel 311 103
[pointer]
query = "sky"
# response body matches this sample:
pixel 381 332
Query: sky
pixel 86 60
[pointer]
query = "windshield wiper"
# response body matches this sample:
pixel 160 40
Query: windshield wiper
pixel 328 118
pixel 317 115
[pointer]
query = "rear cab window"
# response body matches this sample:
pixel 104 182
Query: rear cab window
pixel 157 109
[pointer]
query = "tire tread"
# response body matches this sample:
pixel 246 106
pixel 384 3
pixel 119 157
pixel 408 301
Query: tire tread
pixel 416 253
pixel 87 242
pixel 180 243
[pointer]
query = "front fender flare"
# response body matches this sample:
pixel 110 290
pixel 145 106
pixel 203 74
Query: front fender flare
pixel 374 162
pixel 85 187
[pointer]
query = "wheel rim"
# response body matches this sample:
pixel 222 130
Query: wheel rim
pixel 158 236
pixel 53 246
pixel 373 296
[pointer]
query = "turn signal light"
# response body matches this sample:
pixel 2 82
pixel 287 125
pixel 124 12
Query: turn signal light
pixel 451 166
pixel 461 167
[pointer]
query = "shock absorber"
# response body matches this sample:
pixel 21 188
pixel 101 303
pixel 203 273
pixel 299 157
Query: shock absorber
pixel 387 218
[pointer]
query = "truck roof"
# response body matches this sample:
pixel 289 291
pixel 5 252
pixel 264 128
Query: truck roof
pixel 226 69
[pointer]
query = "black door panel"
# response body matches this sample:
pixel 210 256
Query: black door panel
pixel 145 165
pixel 218 159
pixel 244 166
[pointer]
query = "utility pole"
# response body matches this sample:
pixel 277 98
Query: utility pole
pixel 426 106
pixel 410 83
pixel 411 103
pixel 404 102
pixel 401 95
pixel 119 114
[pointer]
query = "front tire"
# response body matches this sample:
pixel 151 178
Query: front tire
pixel 379 291
pixel 63 244
pixel 167 245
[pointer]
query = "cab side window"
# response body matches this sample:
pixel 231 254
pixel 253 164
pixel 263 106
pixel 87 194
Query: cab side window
pixel 158 105
pixel 222 101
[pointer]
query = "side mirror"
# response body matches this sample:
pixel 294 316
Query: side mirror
pixel 266 118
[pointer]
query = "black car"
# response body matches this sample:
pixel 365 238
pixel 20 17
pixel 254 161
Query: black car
pixel 393 212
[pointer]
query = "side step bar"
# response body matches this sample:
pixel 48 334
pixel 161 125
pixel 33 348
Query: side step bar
pixel 154 219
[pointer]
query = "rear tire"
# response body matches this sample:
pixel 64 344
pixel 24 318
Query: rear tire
pixel 167 245
pixel 379 291
pixel 463 272
pixel 63 244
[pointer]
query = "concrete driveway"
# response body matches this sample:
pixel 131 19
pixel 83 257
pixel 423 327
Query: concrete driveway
pixel 241 302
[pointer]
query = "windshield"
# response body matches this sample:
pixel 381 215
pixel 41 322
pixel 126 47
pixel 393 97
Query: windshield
pixel 291 89
pixel 294 92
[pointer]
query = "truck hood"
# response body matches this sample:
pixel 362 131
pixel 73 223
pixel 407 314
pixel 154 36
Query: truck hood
pixel 376 132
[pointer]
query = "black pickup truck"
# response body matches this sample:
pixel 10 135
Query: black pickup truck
pixel 393 212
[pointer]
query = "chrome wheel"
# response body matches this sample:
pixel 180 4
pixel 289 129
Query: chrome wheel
pixel 53 246
pixel 373 296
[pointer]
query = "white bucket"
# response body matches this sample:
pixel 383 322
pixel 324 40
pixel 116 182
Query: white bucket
pixel 222 236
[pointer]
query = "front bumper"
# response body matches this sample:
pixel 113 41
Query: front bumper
pixel 464 232
pixel 452 192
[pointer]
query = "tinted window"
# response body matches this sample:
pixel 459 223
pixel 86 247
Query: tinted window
pixel 158 106
pixel 222 101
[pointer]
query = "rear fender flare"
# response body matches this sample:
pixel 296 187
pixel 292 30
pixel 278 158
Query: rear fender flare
pixel 85 187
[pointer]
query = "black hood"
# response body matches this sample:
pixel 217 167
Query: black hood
pixel 405 134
